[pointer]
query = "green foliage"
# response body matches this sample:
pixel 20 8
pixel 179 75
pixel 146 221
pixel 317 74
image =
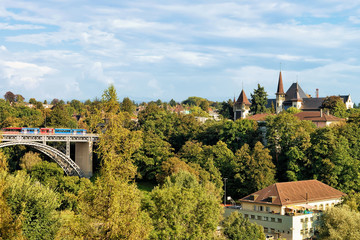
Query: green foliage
pixel 227 109
pixel 184 209
pixel 234 134
pixel 333 161
pixel 48 173
pixel 335 105
pixel 35 204
pixel 110 101
pixel 288 139
pixel 236 227
pixel 61 116
pixel 193 101
pixel 29 160
pixel 340 223
pixel 258 100
pixel 251 170
pixel 127 106
pixel 10 225
pixel 151 154
pixel 172 103
pixel 111 210
pixel 293 110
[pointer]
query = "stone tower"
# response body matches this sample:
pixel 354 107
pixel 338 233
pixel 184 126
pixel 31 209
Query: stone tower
pixel 280 95
pixel 241 106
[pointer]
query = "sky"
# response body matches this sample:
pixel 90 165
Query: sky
pixel 157 49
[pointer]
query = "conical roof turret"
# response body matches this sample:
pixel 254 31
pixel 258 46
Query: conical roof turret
pixel 243 99
pixel 280 89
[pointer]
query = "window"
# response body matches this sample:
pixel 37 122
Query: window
pixel 302 231
pixel 312 219
pixel 321 207
pixel 266 230
pixel 261 208
pixel 266 218
pixel 311 230
pixel 279 220
pixel 246 215
pixel 258 217
pixel 273 219
pixel 254 207
pixel 252 216
pixel 306 231
pixel 268 209
pixel 306 219
pixel 302 220
pixel 272 230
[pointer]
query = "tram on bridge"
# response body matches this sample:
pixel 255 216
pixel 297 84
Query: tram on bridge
pixel 44 131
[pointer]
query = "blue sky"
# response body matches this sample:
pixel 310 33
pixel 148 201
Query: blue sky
pixel 175 49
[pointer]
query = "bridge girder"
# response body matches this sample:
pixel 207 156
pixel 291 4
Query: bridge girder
pixel 66 163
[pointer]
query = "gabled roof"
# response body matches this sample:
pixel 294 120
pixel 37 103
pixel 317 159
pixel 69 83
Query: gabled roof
pixel 280 89
pixel 312 103
pixel 318 117
pixel 259 116
pixel 291 92
pixel 243 99
pixel 299 192
pixel 345 97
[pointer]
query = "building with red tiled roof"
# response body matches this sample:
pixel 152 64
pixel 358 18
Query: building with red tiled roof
pixel 290 210
pixel 241 106
pixel 319 118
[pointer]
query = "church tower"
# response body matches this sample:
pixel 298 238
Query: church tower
pixel 241 106
pixel 280 95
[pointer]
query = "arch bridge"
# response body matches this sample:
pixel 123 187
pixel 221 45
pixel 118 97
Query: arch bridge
pixel 83 164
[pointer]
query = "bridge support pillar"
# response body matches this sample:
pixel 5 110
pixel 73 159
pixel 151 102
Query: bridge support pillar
pixel 84 157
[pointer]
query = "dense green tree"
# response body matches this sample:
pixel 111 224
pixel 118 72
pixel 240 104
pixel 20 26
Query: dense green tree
pixel 204 105
pixel 340 223
pixel 10 97
pixel 29 160
pixel 172 103
pixel 151 154
pixel 32 101
pixel 172 166
pixel 335 105
pixel 332 160
pixel 258 100
pixel 10 225
pixel 61 117
pixel 112 210
pixel 182 208
pixel 128 106
pixel 251 170
pixel 236 227
pixel 234 134
pixel 35 204
pixel 227 109
pixel 293 110
pixel 288 139
pixel 193 101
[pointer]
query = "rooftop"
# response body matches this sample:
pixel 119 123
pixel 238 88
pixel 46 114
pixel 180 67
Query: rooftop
pixel 298 192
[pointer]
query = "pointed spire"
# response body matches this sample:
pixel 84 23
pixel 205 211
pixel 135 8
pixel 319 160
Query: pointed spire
pixel 243 99
pixel 280 89
pixel 297 95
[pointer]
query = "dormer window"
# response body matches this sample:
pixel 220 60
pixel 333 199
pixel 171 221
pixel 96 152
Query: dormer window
pixel 253 197
pixel 271 199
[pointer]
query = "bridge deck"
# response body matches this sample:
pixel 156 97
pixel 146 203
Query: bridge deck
pixel 23 137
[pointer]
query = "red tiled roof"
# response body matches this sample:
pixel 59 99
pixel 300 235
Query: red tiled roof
pixel 280 89
pixel 259 116
pixel 315 116
pixel 243 99
pixel 294 193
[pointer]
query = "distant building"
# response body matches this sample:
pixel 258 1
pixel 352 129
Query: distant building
pixel 293 97
pixel 290 210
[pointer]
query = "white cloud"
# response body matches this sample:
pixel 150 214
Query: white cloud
pixel 5 26
pixel 26 75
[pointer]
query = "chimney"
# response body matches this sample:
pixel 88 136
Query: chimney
pixel 321 112
pixel 317 93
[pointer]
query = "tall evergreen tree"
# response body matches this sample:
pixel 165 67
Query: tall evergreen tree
pixel 258 100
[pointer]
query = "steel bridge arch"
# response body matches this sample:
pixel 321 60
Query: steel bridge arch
pixel 66 163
